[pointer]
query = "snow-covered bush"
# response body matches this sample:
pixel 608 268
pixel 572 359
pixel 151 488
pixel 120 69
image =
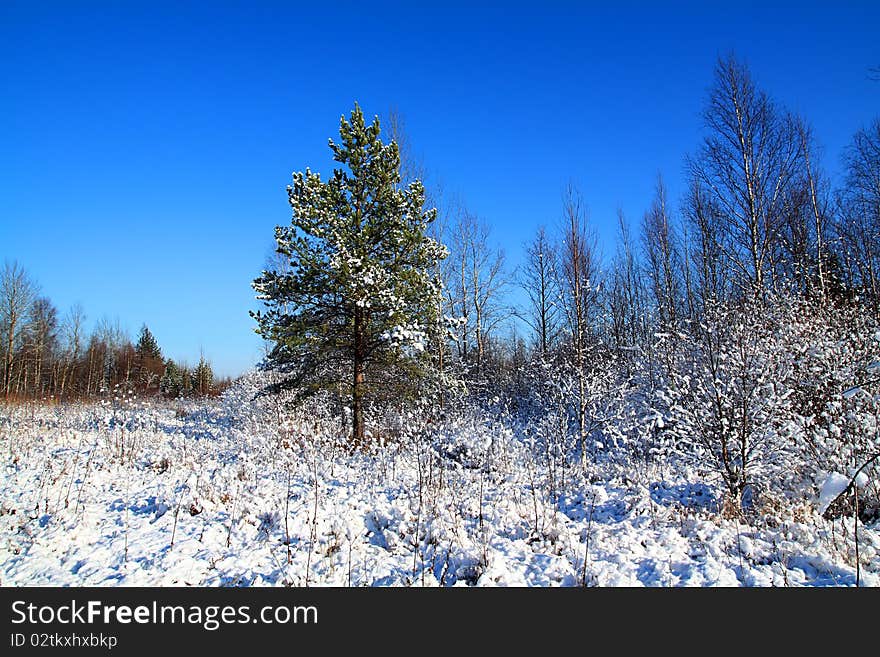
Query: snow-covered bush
pixel 836 394
pixel 726 405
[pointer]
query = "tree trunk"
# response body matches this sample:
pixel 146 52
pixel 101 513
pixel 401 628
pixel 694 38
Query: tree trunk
pixel 10 355
pixel 440 362
pixel 817 217
pixel 89 377
pixel 543 303
pixel 358 382
pixel 582 386
pixel 463 348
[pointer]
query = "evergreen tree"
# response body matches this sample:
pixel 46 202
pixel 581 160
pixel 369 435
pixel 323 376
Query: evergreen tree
pixel 185 380
pixel 176 380
pixel 169 384
pixel 148 364
pixel 203 377
pixel 359 299
pixel 146 346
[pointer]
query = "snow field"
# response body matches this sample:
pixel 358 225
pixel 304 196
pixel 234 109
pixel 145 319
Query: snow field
pixel 238 494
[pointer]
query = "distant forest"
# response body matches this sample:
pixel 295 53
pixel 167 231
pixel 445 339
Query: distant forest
pixel 54 359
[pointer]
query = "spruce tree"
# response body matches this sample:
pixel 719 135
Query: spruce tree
pixel 147 347
pixel 359 299
pixel 148 364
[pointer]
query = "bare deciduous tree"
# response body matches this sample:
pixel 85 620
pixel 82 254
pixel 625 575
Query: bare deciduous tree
pixel 540 281
pixel 660 243
pixel 626 295
pixel 708 252
pixel 411 167
pixel 804 236
pixel 580 274
pixel 72 331
pixel 41 343
pixel 746 167
pixel 859 201
pixel 17 293
pixel 477 281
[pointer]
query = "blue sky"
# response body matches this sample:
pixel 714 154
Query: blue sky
pixel 146 147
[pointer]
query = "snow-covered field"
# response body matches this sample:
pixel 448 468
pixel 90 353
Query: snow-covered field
pixel 237 493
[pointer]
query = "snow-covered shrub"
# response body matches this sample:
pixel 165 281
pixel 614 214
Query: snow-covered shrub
pixel 836 394
pixel 553 390
pixel 726 405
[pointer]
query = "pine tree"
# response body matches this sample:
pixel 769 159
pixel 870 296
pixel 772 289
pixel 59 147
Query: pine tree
pixel 359 300
pixel 203 377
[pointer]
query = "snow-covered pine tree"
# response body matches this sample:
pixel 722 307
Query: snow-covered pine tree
pixel 360 297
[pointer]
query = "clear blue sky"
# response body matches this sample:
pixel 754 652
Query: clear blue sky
pixel 146 146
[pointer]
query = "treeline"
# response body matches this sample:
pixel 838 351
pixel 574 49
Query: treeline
pixel 45 356
pixel 759 220
pixel 738 328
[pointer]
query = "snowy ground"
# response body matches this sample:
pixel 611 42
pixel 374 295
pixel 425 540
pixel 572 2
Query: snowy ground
pixel 216 496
